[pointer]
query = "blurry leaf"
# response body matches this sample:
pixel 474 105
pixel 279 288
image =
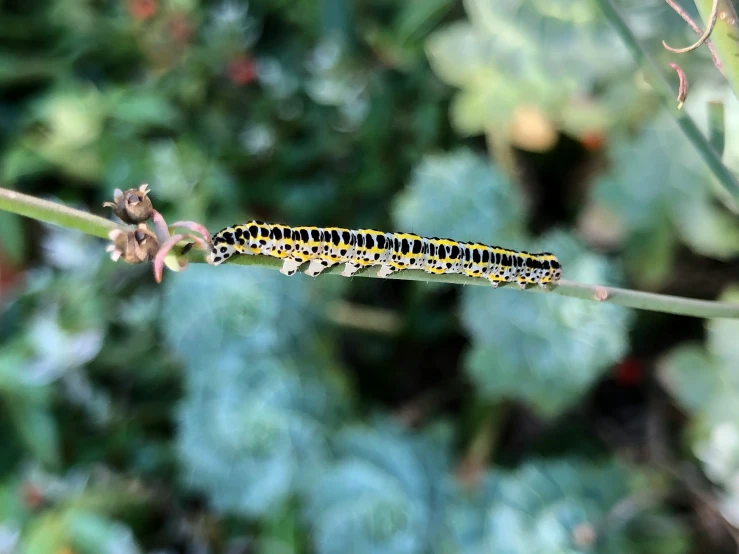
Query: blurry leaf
pixel 691 376
pixel 143 108
pixel 544 349
pixel 702 96
pixel 248 417
pixel 527 54
pixel 179 170
pixel 15 69
pixel 234 310
pixel 46 535
pixel 651 254
pixel 381 495
pixel 417 18
pixel 708 230
pixel 15 380
pixel 460 195
pixel 91 533
pixel 657 185
pixel 37 427
pixel 707 384
pixel 21 161
pixel 10 534
pixel 253 422
pixel 547 507
pixel 723 335
pixel 12 243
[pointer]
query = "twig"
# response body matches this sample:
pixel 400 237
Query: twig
pixel 663 87
pixel 693 25
pixel 704 36
pixel 63 216
pixel 624 297
pixel 682 91
pixel 57 214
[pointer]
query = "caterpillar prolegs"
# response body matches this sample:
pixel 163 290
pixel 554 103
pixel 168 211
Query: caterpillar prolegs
pixel 392 252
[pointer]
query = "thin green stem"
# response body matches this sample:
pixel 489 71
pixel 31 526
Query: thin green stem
pixel 663 87
pixel 630 298
pixel 50 212
pixel 725 38
pixel 56 214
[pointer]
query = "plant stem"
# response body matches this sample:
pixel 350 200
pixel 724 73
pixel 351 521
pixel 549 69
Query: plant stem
pixel 725 38
pixel 50 212
pixel 625 297
pixel 663 87
pixel 56 214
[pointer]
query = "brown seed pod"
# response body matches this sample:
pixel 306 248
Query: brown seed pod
pixel 133 247
pixel 132 206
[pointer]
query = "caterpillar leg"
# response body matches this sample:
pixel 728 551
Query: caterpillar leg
pixel 350 269
pixel 290 266
pixel 316 267
pixel 385 270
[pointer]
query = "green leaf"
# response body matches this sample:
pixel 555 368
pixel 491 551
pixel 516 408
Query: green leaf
pixel 47 534
pixel 36 426
pixel 527 53
pixel 12 239
pixel 142 108
pixel 706 383
pixel 20 161
pixel 722 335
pixel 256 411
pixel 542 349
pixel 91 533
pixel 708 229
pixel 692 376
pixel 381 495
pixel 209 312
pixel 547 507
pixel 462 196
pixel 417 18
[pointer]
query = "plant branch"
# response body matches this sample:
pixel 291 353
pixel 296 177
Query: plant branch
pixel 50 212
pixel 725 38
pixel 693 25
pixel 624 297
pixel 663 87
pixel 56 214
pixel 704 36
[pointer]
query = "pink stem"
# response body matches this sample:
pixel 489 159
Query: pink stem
pixel 193 226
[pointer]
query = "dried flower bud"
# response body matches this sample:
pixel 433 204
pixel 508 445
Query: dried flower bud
pixel 134 247
pixel 132 206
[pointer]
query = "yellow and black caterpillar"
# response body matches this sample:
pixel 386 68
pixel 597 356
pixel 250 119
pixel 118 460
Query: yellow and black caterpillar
pixel 328 246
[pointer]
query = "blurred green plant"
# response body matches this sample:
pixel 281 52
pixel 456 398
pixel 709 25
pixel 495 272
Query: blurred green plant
pixel 230 384
pixel 703 379
pixel 555 506
pixel 381 493
pixel 45 513
pixel 658 194
pixel 561 347
pixel 258 412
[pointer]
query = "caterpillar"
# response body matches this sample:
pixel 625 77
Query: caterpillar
pixel 324 247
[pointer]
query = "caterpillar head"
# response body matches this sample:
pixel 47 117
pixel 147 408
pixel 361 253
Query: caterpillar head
pixel 223 247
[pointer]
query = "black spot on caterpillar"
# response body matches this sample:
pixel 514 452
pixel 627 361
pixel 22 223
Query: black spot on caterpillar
pixel 392 252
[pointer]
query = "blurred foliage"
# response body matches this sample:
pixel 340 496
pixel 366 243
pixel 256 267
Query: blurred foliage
pixel 553 506
pixel 705 383
pixel 231 410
